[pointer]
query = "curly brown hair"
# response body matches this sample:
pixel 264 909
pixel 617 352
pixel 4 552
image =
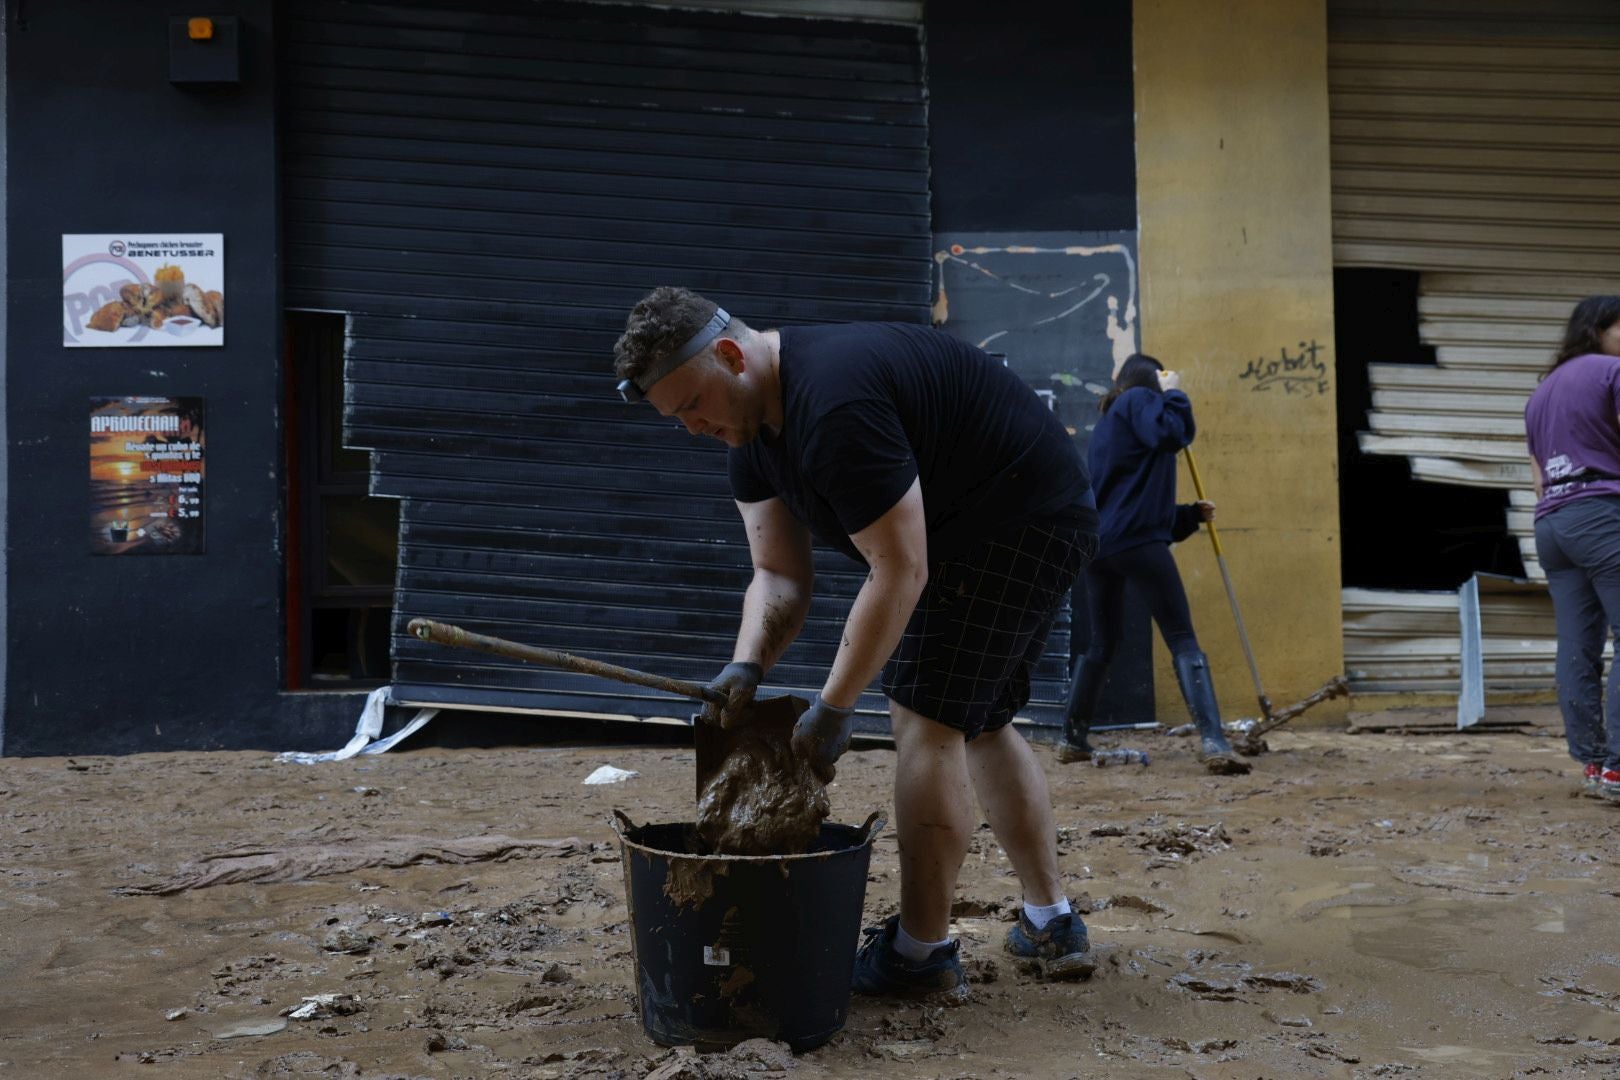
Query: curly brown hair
pixel 661 322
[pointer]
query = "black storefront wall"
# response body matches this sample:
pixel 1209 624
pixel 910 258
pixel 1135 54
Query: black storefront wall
pixel 1031 115
pixel 1032 134
pixel 486 191
pixel 114 654
pixel 479 340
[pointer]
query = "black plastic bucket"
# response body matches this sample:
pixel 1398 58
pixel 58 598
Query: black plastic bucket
pixel 733 947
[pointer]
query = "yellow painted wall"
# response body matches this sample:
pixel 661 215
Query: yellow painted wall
pixel 1236 264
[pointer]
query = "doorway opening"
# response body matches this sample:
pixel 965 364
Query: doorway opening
pixel 342 542
pixel 1398 532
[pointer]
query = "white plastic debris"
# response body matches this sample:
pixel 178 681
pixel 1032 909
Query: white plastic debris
pixel 321 1006
pixel 607 774
pixel 369 728
pixel 252 1027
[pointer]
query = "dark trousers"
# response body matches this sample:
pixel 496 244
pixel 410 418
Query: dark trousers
pixel 1579 547
pixel 1151 569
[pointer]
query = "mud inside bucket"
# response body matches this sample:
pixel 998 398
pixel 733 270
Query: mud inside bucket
pixel 733 947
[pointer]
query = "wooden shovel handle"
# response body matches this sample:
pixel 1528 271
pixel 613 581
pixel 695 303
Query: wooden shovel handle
pixel 454 636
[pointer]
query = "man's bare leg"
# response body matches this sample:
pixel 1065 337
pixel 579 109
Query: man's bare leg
pixel 1012 789
pixel 933 818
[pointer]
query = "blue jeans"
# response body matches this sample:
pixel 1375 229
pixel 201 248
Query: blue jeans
pixel 1579 547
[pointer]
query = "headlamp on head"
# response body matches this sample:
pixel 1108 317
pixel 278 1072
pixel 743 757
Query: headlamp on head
pixel 634 390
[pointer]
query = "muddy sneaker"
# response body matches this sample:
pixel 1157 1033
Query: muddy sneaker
pixel 882 972
pixel 1609 785
pixel 1592 782
pixel 1061 945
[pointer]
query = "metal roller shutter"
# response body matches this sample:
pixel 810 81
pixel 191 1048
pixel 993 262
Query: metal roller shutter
pixel 1476 137
pixel 486 190
pixel 1474 141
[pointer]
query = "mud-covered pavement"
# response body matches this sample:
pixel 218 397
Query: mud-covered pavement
pixel 1358 906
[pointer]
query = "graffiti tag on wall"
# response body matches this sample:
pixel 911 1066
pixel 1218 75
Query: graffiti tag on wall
pixel 1304 374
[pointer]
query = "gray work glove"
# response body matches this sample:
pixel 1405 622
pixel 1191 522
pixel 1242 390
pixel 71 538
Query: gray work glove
pixel 822 735
pixel 737 680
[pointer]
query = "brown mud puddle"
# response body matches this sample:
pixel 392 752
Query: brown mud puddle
pixel 1359 906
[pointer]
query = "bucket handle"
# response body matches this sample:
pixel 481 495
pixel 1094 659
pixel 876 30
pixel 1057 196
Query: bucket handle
pixel 874 825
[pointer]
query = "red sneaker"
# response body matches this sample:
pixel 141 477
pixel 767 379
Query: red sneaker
pixel 1592 783
pixel 1609 785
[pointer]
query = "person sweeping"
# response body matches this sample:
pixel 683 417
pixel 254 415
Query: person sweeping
pixel 1147 420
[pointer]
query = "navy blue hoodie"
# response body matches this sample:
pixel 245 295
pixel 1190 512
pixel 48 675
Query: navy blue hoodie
pixel 1133 470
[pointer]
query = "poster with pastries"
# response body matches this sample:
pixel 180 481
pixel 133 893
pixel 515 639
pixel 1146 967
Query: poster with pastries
pixel 143 289
pixel 146 475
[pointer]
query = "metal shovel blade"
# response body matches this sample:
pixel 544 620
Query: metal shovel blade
pixel 771 719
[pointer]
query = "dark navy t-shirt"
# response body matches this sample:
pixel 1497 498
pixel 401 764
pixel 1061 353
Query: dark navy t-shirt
pixel 869 407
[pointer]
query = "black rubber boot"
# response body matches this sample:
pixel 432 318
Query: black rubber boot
pixel 1198 690
pixel 1083 691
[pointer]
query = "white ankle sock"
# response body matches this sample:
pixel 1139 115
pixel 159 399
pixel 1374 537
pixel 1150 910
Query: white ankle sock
pixel 1039 916
pixel 912 949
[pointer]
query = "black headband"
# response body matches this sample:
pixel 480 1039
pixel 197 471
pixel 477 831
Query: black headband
pixel 633 390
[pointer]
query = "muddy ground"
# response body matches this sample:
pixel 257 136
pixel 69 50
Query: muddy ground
pixel 1359 906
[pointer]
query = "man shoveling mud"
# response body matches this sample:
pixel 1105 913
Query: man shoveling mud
pixel 917 455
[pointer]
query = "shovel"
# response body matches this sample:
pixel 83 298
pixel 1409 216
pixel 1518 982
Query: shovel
pixel 772 719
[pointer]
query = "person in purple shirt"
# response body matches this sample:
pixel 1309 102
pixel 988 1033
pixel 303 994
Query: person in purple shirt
pixel 1572 422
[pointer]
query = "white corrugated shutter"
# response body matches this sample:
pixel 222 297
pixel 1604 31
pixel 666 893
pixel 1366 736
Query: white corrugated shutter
pixel 1479 144
pixel 1475 141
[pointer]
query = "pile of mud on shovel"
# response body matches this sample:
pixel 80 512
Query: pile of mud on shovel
pixel 754 795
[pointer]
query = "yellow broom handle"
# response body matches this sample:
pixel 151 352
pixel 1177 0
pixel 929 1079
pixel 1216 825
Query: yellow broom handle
pixel 1231 595
pixel 1198 486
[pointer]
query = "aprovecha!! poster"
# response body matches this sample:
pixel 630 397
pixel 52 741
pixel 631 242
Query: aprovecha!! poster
pixel 146 476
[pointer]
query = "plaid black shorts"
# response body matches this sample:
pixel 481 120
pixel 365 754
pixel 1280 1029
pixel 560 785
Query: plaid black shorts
pixel 981 624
